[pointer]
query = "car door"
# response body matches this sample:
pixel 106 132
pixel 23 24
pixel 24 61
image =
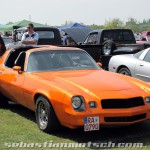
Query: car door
pixel 142 69
pixel 12 83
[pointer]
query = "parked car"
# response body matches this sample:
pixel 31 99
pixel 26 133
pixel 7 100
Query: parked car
pixel 7 41
pixel 2 46
pixel 146 34
pixel 64 86
pixel 135 65
pixel 144 38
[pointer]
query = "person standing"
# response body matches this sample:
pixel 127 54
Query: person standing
pixel 30 38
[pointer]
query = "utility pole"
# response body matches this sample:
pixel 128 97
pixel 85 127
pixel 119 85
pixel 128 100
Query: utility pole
pixel 29 17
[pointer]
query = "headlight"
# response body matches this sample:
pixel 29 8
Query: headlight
pixel 147 99
pixel 78 103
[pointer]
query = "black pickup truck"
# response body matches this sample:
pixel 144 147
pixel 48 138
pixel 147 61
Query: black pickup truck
pixel 115 41
pixel 47 35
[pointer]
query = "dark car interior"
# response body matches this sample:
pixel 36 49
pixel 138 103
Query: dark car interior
pixel 17 57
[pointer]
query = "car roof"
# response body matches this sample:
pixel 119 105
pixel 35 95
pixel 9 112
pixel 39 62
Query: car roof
pixel 101 30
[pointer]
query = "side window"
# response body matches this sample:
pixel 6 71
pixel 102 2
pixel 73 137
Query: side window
pixel 92 38
pixel 20 60
pixel 107 35
pixel 147 57
pixel 13 59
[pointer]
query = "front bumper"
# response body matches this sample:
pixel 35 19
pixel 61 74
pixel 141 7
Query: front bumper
pixel 108 117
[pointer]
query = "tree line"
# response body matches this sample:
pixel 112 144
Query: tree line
pixel 115 23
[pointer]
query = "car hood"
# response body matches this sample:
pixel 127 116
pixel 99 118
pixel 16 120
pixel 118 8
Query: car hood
pixel 95 81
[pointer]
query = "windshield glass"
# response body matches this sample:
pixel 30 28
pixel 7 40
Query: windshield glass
pixel 138 54
pixel 50 60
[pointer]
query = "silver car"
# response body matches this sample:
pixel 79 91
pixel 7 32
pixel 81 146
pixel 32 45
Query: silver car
pixel 135 65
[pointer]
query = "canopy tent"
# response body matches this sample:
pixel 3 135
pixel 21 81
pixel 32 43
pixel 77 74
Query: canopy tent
pixel 78 34
pixel 76 31
pixel 74 25
pixel 22 23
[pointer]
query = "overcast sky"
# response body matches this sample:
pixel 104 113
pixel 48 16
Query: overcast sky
pixel 56 12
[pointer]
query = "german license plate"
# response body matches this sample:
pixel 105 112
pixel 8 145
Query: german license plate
pixel 91 123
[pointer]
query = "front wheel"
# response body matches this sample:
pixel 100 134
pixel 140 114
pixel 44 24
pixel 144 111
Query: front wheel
pixel 45 116
pixel 125 71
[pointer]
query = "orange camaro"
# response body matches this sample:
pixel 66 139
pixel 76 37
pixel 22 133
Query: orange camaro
pixel 64 86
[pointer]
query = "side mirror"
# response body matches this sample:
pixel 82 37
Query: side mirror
pixel 99 64
pixel 17 68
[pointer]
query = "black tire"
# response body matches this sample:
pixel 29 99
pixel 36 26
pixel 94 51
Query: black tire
pixel 47 120
pixel 125 71
pixel 108 48
pixel 3 101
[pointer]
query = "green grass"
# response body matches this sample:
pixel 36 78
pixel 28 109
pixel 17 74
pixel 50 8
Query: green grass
pixel 17 124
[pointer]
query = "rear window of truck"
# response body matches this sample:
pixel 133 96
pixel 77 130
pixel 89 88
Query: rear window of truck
pixel 46 34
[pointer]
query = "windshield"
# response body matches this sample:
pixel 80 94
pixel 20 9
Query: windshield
pixel 50 60
pixel 138 54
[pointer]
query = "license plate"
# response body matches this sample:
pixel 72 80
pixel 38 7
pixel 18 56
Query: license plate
pixel 91 123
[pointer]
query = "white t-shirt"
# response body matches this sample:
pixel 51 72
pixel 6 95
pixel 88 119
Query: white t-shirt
pixel 26 36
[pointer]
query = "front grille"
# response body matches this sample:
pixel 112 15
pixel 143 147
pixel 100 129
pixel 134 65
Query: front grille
pixel 122 103
pixel 125 119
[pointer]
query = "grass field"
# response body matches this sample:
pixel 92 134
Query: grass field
pixel 17 124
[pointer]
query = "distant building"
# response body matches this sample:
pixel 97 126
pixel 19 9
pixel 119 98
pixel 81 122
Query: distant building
pixel 129 23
